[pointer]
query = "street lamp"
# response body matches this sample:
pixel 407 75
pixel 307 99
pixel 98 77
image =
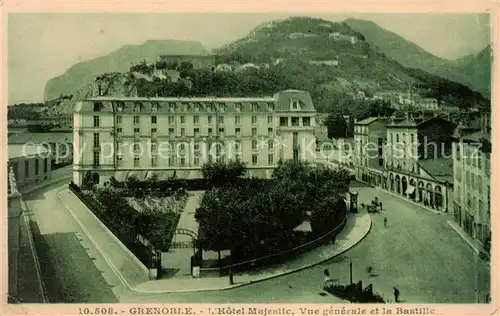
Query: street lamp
pixel 231 282
pixel 350 271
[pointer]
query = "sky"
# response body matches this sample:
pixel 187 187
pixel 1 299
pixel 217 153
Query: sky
pixel 42 46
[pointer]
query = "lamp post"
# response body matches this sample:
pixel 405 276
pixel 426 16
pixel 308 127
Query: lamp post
pixel 350 271
pixel 231 282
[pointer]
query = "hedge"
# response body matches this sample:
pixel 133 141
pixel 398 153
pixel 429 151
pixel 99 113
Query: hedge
pixel 143 253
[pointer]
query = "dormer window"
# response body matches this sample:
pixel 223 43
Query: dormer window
pixel 197 108
pixel 254 107
pixel 295 105
pixel 221 107
pixel 119 107
pixel 270 107
pixel 137 107
pixel 154 107
pixel 98 106
pixel 171 107
pixel 237 107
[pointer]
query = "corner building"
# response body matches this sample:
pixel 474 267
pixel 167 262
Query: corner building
pixel 122 137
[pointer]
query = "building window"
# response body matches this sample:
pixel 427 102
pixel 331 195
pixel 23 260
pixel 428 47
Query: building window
pixel 136 147
pixel 153 132
pixel 221 119
pixel 153 119
pixel 254 132
pixel 221 131
pixel 380 162
pixel 170 119
pixel 237 107
pixel 96 159
pixel 153 148
pixel 237 131
pixel 183 162
pixel 171 161
pixel 26 169
pixel 254 119
pixel 154 161
pixel 183 131
pixel 270 144
pixel 210 119
pixel 295 138
pixel 306 121
pixel 283 121
pixel 196 132
pixel 96 121
pixel 137 131
pixel 154 107
pixel 136 119
pixel 254 144
pixel 96 140
pixel 254 160
pixel 196 161
pixel 119 131
pixel 221 107
pixel 237 120
pixel 183 119
pixel 254 107
pixel 270 132
pixel 119 119
pixel 137 107
pixel 295 105
pixel 196 119
pixel 196 108
pixel 171 132
pixel 295 155
pixel 269 120
pixel 270 107
pixel 397 137
pixel 45 165
pixel 196 146
pixel 270 159
pixel 119 161
pixel 136 161
pixel 36 167
pixel 295 121
pixel 209 132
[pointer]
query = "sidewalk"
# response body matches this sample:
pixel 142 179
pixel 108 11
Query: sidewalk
pixel 356 229
pixel 474 244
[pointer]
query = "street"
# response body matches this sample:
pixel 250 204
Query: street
pixel 417 252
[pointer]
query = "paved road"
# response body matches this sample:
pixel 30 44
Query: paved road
pixel 417 252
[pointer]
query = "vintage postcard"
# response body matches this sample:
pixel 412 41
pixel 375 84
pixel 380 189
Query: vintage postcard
pixel 255 159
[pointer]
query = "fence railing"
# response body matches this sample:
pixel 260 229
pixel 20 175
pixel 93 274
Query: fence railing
pixel 282 256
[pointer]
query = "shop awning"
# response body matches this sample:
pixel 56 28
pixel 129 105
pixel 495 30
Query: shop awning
pixel 410 189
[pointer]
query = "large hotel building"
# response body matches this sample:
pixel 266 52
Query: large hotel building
pixel 121 137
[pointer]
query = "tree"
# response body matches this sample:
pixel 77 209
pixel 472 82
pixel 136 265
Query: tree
pixel 220 173
pixel 337 126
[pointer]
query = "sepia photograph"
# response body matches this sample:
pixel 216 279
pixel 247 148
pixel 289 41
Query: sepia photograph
pixel 220 158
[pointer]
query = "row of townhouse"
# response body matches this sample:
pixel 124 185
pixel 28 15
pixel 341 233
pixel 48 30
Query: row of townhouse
pixel 121 137
pixel 431 161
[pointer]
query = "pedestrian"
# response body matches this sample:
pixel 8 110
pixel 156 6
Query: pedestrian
pixel 396 294
pixel 385 221
pixel 328 280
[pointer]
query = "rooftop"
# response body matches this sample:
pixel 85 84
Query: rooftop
pixel 439 168
pixel 36 138
pixel 367 121
pixel 19 151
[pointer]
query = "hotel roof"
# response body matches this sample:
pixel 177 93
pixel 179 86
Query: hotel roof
pixel 26 138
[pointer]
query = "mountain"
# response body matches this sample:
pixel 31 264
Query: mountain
pixel 411 55
pixel 326 57
pixel 332 61
pixel 478 68
pixel 81 74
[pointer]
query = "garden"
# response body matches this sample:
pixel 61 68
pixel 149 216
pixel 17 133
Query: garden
pixel 256 218
pixel 142 214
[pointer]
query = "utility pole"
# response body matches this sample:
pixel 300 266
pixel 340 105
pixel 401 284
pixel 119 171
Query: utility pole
pixel 231 282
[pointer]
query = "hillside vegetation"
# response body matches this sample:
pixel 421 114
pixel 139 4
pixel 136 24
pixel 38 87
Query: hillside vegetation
pixel 330 60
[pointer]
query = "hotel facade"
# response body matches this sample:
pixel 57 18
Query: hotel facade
pixel 174 137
